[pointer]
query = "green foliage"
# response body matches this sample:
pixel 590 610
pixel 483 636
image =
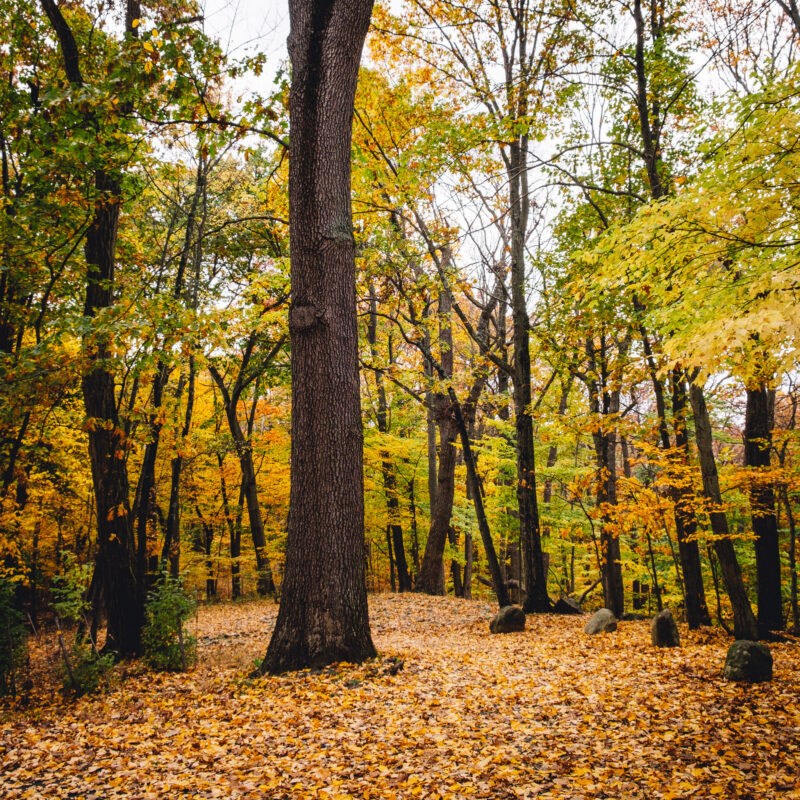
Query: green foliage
pixel 84 670
pixel 167 647
pixel 12 638
pixel 69 592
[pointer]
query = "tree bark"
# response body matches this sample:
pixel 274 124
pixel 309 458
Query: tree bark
pixel 758 424
pixel 323 614
pixel 536 599
pixel 697 613
pixel 744 622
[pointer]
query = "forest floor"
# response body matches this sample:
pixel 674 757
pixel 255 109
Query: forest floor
pixel 547 713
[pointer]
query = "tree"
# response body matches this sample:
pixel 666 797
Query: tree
pixel 471 45
pixel 119 571
pixel 758 424
pixel 323 613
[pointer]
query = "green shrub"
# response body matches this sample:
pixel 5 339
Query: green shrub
pixel 69 592
pixel 83 668
pixel 167 647
pixel 13 635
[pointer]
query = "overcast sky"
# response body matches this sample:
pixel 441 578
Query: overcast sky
pixel 247 26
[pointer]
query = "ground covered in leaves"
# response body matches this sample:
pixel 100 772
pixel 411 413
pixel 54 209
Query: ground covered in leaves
pixel 447 711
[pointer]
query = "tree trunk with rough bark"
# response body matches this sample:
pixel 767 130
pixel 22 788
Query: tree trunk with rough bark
pixel 323 614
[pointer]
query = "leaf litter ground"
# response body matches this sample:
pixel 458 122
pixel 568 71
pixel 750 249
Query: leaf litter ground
pixel 446 711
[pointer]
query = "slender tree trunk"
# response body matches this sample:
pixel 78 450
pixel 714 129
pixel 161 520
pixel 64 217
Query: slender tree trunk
pixel 744 622
pixel 265 584
pixel 455 567
pixel 605 442
pixel 604 404
pixel 430 579
pixel 394 528
pixel 171 551
pixel 234 526
pixel 463 420
pixel 758 424
pixel 390 551
pixel 792 560
pixel 412 502
pixel 680 492
pixel 244 451
pixel 323 613
pixel 697 613
pixel 536 599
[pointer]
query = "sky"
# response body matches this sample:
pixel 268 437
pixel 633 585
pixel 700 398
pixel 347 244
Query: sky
pixel 247 26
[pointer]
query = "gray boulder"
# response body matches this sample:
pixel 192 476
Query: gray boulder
pixel 508 620
pixel 567 605
pixel 747 661
pixel 664 630
pixel 602 621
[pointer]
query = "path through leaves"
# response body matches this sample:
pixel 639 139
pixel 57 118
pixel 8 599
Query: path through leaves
pixel 447 711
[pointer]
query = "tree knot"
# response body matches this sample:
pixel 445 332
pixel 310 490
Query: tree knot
pixel 303 317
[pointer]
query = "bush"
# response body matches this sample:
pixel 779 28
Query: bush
pixel 69 592
pixel 167 647
pixel 83 668
pixel 13 635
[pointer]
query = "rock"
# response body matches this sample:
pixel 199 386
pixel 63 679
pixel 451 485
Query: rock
pixel 508 620
pixel 664 630
pixel 748 661
pixel 602 621
pixel 567 605
pixel 633 616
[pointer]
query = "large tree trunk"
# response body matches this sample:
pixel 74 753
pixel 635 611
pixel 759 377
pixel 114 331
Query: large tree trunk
pixel 119 568
pixel 744 622
pixel 323 615
pixel 758 423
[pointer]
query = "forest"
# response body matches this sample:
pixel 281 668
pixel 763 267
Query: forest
pixel 504 307
pixel 330 352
